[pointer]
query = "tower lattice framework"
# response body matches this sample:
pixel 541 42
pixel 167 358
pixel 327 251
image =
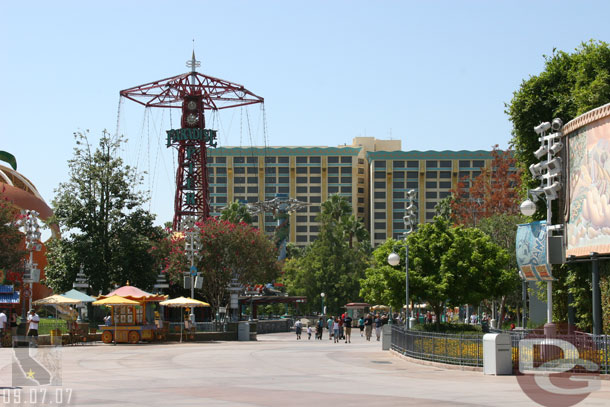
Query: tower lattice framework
pixel 193 93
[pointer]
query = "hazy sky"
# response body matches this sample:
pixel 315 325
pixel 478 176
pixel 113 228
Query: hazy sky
pixel 434 74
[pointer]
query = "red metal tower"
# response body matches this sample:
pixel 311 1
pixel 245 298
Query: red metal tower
pixel 193 93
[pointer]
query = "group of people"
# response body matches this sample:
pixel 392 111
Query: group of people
pixel 340 327
pixel 9 324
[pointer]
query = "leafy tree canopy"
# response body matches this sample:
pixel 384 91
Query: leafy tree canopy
pixel 104 228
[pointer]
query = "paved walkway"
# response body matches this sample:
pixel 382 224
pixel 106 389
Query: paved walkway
pixel 277 370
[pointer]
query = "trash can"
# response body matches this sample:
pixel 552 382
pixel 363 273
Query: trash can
pixel 243 331
pixel 56 337
pixel 386 337
pixel 497 354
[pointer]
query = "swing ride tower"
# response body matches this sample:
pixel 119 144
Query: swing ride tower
pixel 193 93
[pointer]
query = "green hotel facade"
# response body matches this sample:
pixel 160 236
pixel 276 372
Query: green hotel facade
pixel 374 175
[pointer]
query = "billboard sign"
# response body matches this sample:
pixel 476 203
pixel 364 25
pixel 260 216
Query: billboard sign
pixel 588 183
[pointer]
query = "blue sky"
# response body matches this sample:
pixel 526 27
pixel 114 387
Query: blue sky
pixel 434 74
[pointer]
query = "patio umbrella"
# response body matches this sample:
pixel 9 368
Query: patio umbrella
pixel 57 299
pixel 183 302
pixel 113 301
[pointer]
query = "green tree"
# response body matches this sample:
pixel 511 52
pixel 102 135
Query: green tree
pixel 330 264
pixel 236 212
pixel 227 251
pixel 454 265
pixel 103 226
pixel 382 283
pixel 570 84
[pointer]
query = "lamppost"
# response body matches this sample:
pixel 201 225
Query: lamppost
pixel 322 295
pixel 410 221
pixel 549 173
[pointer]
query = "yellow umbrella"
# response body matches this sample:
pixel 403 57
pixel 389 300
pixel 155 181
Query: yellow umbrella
pixel 56 299
pixel 183 302
pixel 115 300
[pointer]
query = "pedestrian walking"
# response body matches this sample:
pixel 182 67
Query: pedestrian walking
pixel 348 329
pixel 368 326
pixel 298 327
pixel 33 320
pixel 378 325
pixel 336 329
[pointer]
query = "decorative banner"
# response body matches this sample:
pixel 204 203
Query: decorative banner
pixel 531 251
pixel 588 172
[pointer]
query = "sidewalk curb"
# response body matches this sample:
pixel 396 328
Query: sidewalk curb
pixel 436 364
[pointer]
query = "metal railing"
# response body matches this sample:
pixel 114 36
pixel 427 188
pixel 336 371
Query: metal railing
pixel 464 350
pixel 200 326
pixel 591 347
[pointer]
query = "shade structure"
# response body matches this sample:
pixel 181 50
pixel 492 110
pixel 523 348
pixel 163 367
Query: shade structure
pixel 78 295
pixel 57 299
pixel 134 293
pixel 183 302
pixel 115 300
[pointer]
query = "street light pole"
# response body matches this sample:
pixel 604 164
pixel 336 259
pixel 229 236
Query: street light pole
pixel 410 220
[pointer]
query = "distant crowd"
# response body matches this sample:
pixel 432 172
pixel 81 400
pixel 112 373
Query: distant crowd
pixel 340 327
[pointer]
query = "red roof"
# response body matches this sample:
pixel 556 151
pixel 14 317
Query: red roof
pixel 134 293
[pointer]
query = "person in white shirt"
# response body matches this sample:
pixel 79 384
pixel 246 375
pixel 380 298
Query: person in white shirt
pixel 33 320
pixel 3 321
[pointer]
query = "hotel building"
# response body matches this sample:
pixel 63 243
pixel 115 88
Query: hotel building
pixel 372 174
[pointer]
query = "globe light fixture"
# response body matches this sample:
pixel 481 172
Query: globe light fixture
pixel 528 207
pixel 393 259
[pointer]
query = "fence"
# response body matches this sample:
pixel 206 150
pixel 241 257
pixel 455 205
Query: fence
pixel 594 348
pixel 201 326
pixel 464 350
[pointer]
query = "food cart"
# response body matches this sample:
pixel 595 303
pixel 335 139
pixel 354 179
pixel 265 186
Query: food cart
pixel 356 310
pixel 132 315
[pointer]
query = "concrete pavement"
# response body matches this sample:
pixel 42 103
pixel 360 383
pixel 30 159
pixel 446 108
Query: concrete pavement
pixel 277 370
